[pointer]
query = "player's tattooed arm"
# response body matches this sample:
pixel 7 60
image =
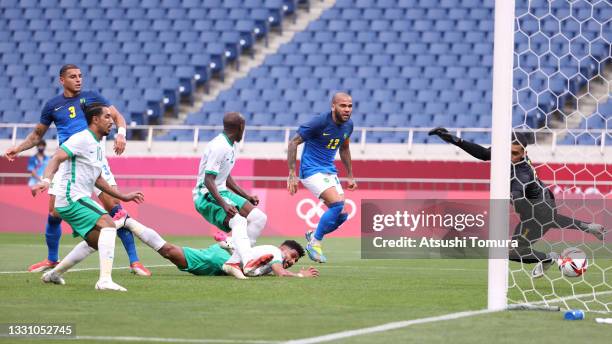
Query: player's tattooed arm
pixel 31 140
pixel 209 182
pixel 103 185
pixel 52 167
pixel 280 271
pixel 232 185
pixel 345 156
pixel 292 180
pixel 120 140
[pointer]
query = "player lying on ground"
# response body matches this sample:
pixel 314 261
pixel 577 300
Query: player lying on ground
pixel 215 260
pixel 229 210
pixel 532 200
pixel 65 110
pixel 84 156
pixel 323 136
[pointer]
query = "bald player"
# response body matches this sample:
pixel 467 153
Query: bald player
pixel 323 136
pixel 220 200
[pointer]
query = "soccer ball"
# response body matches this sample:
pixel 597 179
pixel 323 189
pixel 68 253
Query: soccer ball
pixel 573 262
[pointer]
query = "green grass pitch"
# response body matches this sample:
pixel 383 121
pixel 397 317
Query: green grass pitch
pixel 350 294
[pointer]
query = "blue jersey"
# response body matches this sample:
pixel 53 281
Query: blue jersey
pixel 322 139
pixel 37 165
pixel 67 114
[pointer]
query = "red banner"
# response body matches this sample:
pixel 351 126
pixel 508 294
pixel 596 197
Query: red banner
pixel 170 210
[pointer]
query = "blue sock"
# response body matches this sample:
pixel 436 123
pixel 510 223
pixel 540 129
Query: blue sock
pixel 127 238
pixel 341 219
pixel 53 234
pixel 329 220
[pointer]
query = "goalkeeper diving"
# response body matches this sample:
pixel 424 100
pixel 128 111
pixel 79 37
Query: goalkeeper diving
pixel 532 200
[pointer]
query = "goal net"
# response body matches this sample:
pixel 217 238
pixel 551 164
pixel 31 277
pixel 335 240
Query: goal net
pixel 561 102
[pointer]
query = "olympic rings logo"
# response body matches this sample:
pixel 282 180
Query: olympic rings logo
pixel 316 210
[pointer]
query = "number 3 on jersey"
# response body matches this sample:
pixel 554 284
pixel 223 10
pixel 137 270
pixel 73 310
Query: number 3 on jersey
pixel 333 143
pixel 72 110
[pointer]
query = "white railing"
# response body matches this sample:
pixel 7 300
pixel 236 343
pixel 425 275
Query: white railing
pixel 182 177
pixel 362 131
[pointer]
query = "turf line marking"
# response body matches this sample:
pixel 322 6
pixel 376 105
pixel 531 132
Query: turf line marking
pixel 88 269
pixel 568 298
pixel 163 340
pixel 387 327
pixel 173 340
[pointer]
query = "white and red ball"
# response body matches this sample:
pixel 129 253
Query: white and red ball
pixel 573 262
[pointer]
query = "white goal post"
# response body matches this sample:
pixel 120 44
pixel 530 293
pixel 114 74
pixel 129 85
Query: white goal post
pixel 503 55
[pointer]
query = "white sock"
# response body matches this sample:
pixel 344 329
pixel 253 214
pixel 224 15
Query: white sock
pixel 78 253
pixel 235 258
pixel 242 244
pixel 256 221
pixel 106 249
pixel 145 234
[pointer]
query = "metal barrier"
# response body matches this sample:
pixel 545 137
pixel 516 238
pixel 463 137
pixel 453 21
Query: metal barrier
pixel 363 131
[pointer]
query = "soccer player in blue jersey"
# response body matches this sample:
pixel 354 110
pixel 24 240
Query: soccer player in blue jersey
pixel 65 110
pixel 323 136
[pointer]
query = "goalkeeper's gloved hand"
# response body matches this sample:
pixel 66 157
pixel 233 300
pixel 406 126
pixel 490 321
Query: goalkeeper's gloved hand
pixel 445 135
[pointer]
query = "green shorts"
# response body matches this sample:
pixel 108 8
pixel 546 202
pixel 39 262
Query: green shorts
pixel 205 262
pixel 208 207
pixel 81 215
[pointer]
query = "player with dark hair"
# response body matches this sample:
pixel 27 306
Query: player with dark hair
pixel 83 157
pixel 323 136
pixel 532 200
pixel 214 260
pixel 65 110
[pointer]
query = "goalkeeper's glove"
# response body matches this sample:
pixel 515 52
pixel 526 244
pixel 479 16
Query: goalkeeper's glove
pixel 445 135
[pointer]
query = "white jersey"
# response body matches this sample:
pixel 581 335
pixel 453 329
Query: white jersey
pixel 218 159
pixel 259 251
pixel 80 172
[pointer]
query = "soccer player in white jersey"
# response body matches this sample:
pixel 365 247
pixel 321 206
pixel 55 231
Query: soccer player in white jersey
pixel 220 200
pixel 272 260
pixel 216 260
pixel 84 156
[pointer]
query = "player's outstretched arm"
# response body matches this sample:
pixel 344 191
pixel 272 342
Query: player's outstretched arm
pixel 103 185
pixel 30 141
pixel 475 150
pixel 120 138
pixel 209 182
pixel 279 271
pixel 292 180
pixel 52 167
pixel 232 185
pixel 345 156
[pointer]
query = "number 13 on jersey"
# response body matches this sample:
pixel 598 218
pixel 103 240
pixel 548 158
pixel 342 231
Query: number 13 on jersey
pixel 333 143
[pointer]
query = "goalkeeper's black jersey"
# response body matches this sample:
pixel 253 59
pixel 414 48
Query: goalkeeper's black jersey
pixel 524 182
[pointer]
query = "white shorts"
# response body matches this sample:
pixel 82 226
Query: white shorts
pixel 319 182
pixel 106 174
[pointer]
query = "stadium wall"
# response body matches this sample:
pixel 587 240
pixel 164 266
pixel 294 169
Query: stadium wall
pixel 167 184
